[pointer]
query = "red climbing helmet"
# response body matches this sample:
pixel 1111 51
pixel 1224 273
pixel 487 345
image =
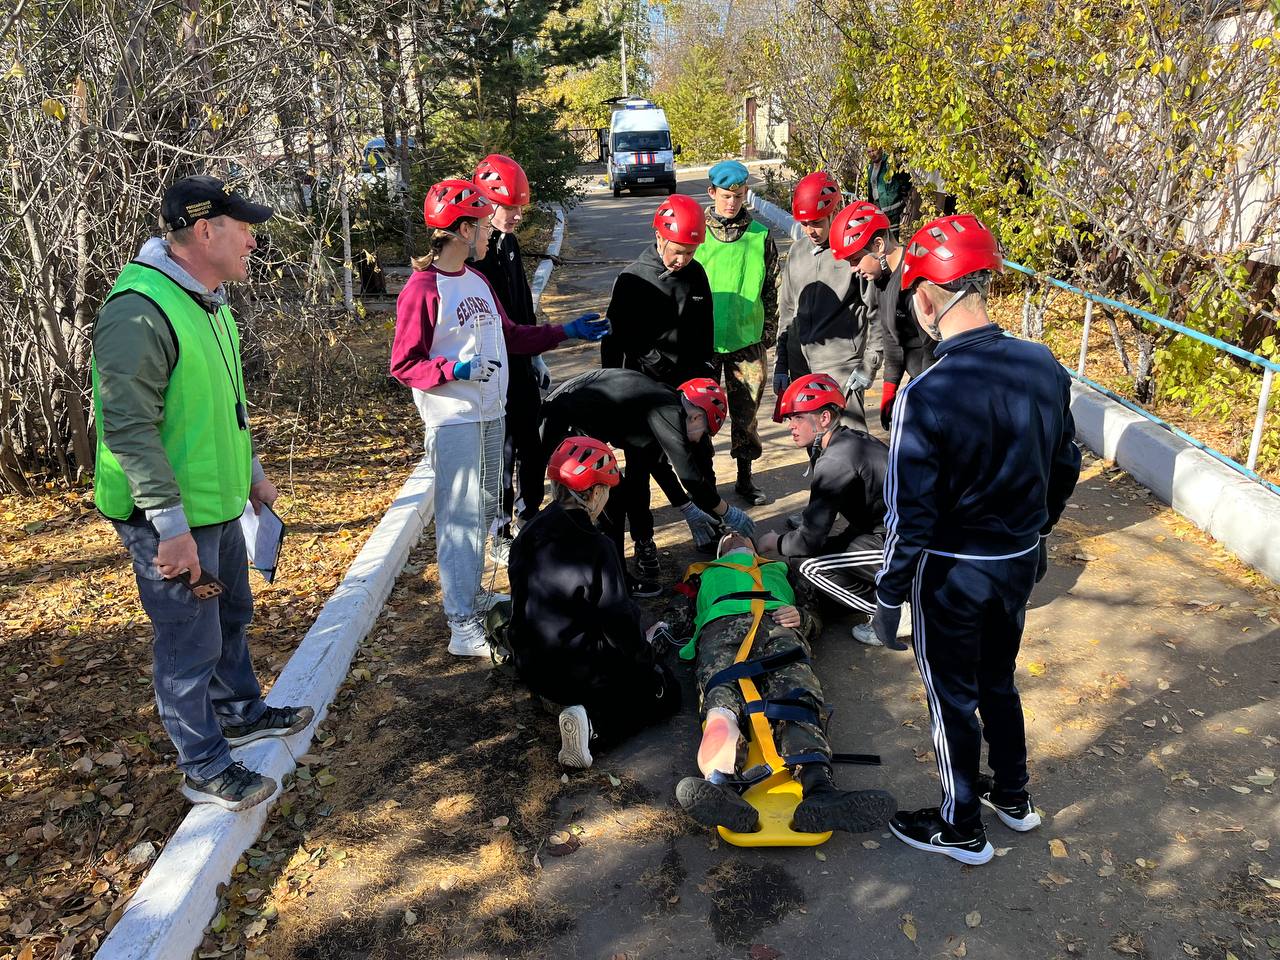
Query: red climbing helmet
pixel 810 393
pixel 948 249
pixel 581 463
pixel 449 201
pixel 853 228
pixel 816 196
pixel 681 219
pixel 708 396
pixel 502 180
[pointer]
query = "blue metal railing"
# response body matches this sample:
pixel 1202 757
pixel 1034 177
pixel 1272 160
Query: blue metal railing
pixel 1269 368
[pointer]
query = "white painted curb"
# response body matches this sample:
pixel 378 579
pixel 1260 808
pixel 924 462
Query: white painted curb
pixel 166 917
pixel 542 275
pixel 1241 515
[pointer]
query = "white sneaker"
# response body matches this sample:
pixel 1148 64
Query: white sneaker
pixel 865 633
pixel 575 737
pixel 904 625
pixel 467 639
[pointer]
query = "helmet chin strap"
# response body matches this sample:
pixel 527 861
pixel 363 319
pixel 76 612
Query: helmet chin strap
pixel 662 249
pixel 974 283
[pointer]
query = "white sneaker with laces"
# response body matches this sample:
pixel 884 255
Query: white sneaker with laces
pixel 865 633
pixel 575 738
pixel 467 639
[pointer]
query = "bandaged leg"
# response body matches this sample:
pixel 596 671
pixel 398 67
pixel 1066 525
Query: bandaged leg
pixel 718 750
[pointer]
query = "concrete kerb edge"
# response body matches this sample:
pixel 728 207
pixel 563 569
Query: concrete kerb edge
pixel 1239 514
pixel 542 275
pixel 167 915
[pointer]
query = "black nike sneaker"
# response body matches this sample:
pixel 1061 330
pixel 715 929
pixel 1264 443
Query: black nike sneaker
pixel 1016 811
pixel 644 589
pixel 647 567
pixel 926 830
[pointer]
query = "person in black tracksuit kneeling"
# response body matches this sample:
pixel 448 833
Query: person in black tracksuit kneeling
pixel 661 320
pixel 649 421
pixel 982 460
pixel 574 633
pixel 847 467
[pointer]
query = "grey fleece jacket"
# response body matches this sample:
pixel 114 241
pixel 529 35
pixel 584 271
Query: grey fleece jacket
pixel 135 353
pixel 822 300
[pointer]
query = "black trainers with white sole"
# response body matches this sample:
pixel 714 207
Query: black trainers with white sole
pixel 926 830
pixel 274 722
pixel 647 566
pixel 644 589
pixel 1015 812
pixel 235 788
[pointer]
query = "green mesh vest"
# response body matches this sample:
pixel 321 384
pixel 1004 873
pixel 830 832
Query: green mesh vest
pixel 735 272
pixel 211 456
pixel 720 581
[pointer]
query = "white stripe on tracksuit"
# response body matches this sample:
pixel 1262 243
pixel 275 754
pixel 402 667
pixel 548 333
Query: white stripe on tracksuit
pixel 814 569
pixel 940 747
pixel 891 476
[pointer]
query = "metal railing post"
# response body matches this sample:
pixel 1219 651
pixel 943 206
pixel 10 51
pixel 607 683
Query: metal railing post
pixel 1264 398
pixel 1084 337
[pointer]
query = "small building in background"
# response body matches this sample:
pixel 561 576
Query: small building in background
pixel 765 130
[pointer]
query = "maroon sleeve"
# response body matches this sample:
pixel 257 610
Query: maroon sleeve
pixel 417 311
pixel 523 339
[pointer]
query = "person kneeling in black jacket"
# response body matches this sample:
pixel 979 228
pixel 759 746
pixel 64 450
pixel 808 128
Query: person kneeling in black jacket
pixel 574 634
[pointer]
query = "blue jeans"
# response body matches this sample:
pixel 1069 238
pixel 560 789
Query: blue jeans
pixel 203 675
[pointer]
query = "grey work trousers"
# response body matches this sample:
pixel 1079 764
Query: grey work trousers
pixel 201 669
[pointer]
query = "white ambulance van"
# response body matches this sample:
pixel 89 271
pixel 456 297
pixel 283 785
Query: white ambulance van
pixel 640 153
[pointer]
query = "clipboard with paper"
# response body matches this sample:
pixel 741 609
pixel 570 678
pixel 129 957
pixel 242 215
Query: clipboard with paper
pixel 263 537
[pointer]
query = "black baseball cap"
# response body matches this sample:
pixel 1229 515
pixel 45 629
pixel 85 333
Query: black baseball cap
pixel 199 198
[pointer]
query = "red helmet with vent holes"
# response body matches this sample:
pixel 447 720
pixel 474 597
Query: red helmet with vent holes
pixel 708 396
pixel 449 201
pixel 948 249
pixel 810 393
pixel 581 463
pixel 681 219
pixel 502 180
pixel 816 196
pixel 853 228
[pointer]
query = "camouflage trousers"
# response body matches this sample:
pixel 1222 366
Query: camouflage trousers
pixel 718 644
pixel 743 375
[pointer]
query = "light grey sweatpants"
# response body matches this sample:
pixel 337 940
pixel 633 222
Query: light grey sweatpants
pixel 467 460
pixel 838 358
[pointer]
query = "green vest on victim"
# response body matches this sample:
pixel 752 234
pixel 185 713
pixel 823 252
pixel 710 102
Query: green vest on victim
pixel 736 273
pixel 720 581
pixel 211 455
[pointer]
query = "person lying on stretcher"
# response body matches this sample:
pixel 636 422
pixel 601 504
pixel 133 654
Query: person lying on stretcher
pixel 713 609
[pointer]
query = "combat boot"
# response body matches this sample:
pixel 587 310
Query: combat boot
pixel 825 807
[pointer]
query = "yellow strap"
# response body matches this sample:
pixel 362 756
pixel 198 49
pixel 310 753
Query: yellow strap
pixel 760 728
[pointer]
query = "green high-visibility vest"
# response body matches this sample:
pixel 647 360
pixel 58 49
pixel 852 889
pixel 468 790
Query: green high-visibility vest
pixel 735 272
pixel 211 454
pixel 720 582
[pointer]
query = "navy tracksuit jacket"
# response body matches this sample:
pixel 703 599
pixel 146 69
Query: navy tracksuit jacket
pixel 981 462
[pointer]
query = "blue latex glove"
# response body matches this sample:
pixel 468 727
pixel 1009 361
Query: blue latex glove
pixel 780 383
pixel 589 326
pixel 702 525
pixel 477 369
pixel 885 623
pixel 737 519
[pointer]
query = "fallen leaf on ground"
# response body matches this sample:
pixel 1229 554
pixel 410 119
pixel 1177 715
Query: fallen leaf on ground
pixel 410 918
pixel 761 952
pixel 909 927
pixel 972 919
pixel 1057 849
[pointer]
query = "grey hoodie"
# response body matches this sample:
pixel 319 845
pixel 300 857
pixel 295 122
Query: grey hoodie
pixel 135 353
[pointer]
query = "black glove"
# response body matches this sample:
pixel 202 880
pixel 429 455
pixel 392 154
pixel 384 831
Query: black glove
pixel 1042 563
pixel 885 624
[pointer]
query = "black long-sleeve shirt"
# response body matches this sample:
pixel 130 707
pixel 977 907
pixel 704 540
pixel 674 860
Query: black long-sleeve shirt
pixel 848 481
pixel 628 410
pixel 662 326
pixel 900 332
pixel 573 624
pixel 503 266
pixel 982 458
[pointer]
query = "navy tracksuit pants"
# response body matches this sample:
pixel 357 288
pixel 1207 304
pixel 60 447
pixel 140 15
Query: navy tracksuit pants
pixel 967 618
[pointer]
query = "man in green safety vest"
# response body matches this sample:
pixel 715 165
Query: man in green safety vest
pixel 175 469
pixel 741 262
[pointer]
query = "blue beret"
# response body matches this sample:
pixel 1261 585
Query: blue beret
pixel 728 174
